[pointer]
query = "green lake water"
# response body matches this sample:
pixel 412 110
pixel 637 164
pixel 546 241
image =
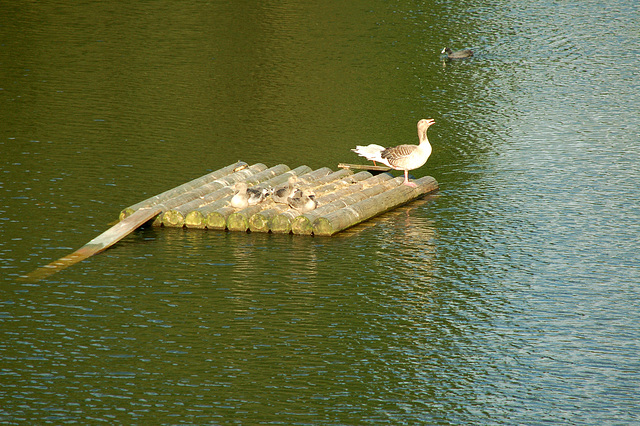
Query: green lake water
pixel 510 297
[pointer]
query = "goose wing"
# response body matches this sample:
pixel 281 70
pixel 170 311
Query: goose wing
pixel 399 156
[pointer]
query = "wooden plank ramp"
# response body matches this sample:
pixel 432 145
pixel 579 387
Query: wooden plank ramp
pixel 344 199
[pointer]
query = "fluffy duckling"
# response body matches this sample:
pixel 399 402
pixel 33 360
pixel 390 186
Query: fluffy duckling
pixel 302 202
pixel 240 199
pixel 257 195
pixel 281 194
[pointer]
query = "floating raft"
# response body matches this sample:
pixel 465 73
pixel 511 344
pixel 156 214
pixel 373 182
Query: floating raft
pixel 344 199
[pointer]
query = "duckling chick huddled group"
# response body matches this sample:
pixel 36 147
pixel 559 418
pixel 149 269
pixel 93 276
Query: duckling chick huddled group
pixel 303 202
pixel 245 196
pixel 295 198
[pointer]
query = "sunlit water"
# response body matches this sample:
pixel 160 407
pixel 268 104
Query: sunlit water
pixel 511 297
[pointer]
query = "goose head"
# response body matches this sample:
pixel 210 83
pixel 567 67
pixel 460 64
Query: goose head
pixel 423 126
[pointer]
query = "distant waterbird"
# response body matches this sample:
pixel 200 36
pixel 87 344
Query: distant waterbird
pixel 460 54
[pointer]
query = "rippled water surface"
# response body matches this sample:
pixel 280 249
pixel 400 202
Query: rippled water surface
pixel 510 297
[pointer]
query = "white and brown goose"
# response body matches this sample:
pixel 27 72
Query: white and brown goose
pixel 401 157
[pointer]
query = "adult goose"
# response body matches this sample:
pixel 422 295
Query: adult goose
pixel 460 54
pixel 402 157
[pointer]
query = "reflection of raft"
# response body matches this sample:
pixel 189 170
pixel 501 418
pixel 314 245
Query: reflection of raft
pixel 344 199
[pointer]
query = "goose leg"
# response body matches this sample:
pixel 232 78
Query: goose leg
pixel 406 180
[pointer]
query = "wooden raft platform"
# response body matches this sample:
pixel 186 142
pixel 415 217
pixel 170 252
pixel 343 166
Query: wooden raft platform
pixel 344 199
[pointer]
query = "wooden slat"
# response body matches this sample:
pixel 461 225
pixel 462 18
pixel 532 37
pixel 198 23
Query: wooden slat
pixel 185 187
pixel 98 244
pixel 369 207
pixel 207 194
pixel 303 225
pixel 369 167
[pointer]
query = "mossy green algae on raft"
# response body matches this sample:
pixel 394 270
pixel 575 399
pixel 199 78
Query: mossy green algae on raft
pixel 344 199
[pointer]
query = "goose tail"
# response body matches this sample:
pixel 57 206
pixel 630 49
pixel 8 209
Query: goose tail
pixel 370 152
